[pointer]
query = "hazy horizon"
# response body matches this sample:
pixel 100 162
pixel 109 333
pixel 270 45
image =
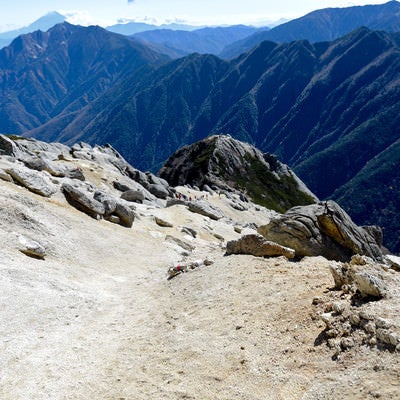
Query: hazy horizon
pixel 208 12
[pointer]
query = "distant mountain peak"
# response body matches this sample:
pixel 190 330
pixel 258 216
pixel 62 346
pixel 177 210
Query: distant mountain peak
pixel 43 24
pixel 326 24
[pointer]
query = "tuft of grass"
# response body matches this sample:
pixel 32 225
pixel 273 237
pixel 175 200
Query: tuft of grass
pixel 15 137
pixel 267 190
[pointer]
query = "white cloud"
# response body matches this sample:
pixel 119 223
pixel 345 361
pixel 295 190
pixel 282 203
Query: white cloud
pixel 83 18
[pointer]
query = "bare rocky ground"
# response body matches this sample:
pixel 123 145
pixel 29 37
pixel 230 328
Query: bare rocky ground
pixel 98 318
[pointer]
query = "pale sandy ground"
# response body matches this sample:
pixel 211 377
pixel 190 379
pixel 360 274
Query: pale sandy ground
pixel 97 319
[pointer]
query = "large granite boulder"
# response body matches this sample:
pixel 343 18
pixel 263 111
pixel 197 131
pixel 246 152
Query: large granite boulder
pixel 205 208
pixel 36 182
pixel 322 229
pixel 125 214
pixel 116 210
pixel 31 248
pixel 134 196
pixel 257 245
pixel 159 191
pixel 83 200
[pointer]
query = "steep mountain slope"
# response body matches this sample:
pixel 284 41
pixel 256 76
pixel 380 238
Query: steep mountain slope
pixel 188 99
pixel 45 73
pixel 324 25
pixel 205 40
pixel 148 117
pixel 377 186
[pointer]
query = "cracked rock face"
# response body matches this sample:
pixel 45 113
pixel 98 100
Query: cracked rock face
pixel 49 169
pixel 322 229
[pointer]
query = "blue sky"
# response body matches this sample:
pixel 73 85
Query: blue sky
pixel 19 13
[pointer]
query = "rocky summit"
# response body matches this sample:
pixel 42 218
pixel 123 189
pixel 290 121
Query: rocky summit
pixel 220 162
pixel 120 284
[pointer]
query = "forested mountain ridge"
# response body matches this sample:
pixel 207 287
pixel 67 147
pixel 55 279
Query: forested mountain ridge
pixel 210 40
pixel 324 25
pixel 45 73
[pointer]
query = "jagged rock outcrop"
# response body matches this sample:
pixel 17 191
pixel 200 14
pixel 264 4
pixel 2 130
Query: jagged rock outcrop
pixel 358 313
pixel 224 163
pixel 361 275
pixel 257 245
pixel 51 168
pixel 322 229
pixel 7 147
pixel 54 169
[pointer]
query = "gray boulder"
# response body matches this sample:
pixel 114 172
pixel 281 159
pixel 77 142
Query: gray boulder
pixel 54 169
pixel 35 148
pixel 83 200
pixel 189 231
pixel 204 208
pixel 31 248
pixel 115 210
pixel 109 202
pixel 81 146
pixel 82 151
pixel 369 284
pixel 36 182
pixel 121 186
pixel 153 179
pixel 138 176
pixel 125 213
pixel 133 195
pixel 175 201
pixel 161 222
pixel 322 229
pixel 258 246
pixel 75 173
pixel 237 206
pixel 208 189
pixel 181 243
pixel 37 164
pixel 4 176
pixel 158 190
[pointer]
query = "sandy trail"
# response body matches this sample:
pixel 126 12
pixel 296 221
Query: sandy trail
pixel 99 320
